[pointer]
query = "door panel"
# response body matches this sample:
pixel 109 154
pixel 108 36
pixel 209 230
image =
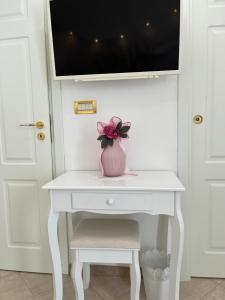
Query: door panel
pixel 25 161
pixel 12 8
pixel 19 195
pixel 208 142
pixel 216 221
pixel 216 93
pixel 16 90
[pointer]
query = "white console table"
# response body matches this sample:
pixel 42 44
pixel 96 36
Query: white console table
pixel 150 192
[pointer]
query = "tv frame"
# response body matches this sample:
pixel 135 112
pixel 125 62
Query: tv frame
pixel 110 76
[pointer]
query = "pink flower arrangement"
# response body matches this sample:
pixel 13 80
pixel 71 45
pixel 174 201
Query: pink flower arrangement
pixel 113 130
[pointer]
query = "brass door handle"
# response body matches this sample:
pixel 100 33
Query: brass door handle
pixel 38 124
pixel 198 119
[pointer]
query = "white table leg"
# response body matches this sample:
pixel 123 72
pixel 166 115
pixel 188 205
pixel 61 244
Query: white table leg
pixel 177 226
pixel 86 275
pixel 56 259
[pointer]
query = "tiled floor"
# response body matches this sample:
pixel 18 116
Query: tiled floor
pixel 30 286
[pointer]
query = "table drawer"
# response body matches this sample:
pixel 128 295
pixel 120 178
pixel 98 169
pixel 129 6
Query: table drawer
pixel 133 201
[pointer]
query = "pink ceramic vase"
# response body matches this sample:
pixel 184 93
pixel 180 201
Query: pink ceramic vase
pixel 113 159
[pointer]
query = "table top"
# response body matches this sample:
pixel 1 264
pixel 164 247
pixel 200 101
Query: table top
pixel 138 181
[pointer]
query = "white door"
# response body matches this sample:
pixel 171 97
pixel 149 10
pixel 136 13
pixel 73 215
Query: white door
pixel 208 140
pixel 25 161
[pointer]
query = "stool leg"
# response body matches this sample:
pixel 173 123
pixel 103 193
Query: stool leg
pixel 77 277
pixel 86 275
pixel 135 277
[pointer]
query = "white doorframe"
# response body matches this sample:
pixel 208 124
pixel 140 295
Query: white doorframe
pixel 56 117
pixel 184 126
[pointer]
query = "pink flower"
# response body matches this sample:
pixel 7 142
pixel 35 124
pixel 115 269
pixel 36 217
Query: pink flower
pixel 111 132
pixel 114 121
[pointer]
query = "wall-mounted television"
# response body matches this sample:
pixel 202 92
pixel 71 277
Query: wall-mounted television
pixel 113 39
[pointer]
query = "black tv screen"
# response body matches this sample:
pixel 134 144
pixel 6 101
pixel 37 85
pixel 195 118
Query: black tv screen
pixel 115 36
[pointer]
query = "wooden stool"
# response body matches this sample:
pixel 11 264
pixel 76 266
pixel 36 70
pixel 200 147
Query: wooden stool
pixel 105 241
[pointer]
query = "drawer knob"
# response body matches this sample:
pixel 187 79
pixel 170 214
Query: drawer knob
pixel 110 201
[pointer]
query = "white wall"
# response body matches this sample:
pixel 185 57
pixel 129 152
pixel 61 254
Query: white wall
pixel 151 106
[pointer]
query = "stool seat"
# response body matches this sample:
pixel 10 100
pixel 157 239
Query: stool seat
pixel 106 233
